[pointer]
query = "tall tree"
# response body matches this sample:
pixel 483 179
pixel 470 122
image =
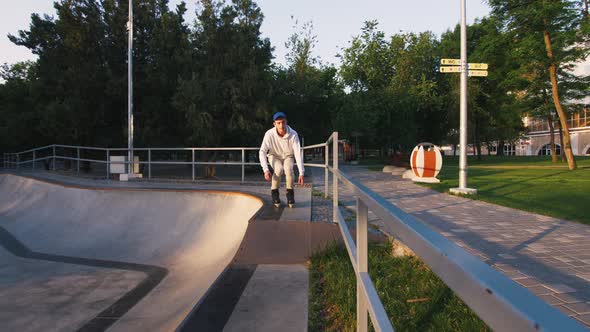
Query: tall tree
pixel 82 65
pixel 307 91
pixel 548 32
pixel 399 74
pixel 71 68
pixel 19 119
pixel 226 97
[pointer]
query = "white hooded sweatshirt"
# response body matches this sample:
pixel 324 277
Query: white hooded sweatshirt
pixel 281 147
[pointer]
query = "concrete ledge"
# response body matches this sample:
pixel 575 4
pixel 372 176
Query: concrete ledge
pixel 463 191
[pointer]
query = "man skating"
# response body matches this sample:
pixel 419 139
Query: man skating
pixel 281 145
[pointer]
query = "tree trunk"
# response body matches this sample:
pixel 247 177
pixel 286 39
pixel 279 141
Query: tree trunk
pixel 562 155
pixel 552 138
pixel 478 147
pixel 500 148
pixel 476 142
pixel 567 147
pixel 586 9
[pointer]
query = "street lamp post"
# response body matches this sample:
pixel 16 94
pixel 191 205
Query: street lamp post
pixel 463 110
pixel 130 92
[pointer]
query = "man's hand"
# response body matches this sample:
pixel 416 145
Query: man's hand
pixel 267 176
pixel 300 180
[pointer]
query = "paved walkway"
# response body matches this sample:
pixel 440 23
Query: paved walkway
pixel 548 256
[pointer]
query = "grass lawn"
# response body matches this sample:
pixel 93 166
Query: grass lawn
pixel 526 183
pixel 414 298
pixel 582 162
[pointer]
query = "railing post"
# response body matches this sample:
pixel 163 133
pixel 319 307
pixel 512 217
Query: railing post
pixel 243 161
pixel 54 158
pixel 108 164
pixel 78 164
pixel 302 150
pixel 326 171
pixel 335 177
pixel 362 213
pixel 34 159
pixel 193 163
pixel 149 163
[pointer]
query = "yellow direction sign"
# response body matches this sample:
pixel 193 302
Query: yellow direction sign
pixel 481 73
pixel 482 66
pixel 450 62
pixel 450 69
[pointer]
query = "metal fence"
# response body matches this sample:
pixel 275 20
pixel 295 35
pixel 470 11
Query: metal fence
pixel 497 300
pixel 164 162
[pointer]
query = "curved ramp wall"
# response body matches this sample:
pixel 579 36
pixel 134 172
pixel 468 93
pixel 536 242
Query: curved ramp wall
pixel 193 234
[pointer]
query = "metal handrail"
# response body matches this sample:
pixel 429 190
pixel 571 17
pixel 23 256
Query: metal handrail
pixel 499 301
pixel 54 156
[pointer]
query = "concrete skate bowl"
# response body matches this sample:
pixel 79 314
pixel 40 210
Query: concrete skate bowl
pixel 77 259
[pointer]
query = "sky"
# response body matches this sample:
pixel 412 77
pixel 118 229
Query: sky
pixel 335 22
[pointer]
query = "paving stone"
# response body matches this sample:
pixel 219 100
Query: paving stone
pixel 515 275
pixel 580 307
pixel 550 299
pixel 458 230
pixel 575 236
pixel 566 310
pixel 538 251
pixel 560 288
pixel 504 267
pixel 506 256
pixel 584 318
pixel 568 297
pixel 494 239
pixel 539 290
pixel 563 259
pixel 528 282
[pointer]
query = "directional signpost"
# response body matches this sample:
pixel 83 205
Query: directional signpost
pixel 449 66
pixel 450 62
pixel 482 66
pixel 454 66
pixel 453 69
pixel 472 69
pixel 480 73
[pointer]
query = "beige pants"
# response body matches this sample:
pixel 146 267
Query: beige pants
pixel 281 166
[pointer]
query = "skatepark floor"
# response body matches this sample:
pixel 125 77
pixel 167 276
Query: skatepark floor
pixel 92 255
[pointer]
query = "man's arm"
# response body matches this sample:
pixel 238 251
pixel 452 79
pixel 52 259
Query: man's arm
pixel 264 147
pixel 298 159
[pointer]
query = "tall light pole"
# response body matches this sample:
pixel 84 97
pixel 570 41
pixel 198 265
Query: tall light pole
pixel 130 91
pixel 463 110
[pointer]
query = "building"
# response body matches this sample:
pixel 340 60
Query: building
pixel 538 138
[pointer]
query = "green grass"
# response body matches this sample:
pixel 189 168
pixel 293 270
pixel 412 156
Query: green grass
pixel 332 300
pixel 516 161
pixel 527 183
